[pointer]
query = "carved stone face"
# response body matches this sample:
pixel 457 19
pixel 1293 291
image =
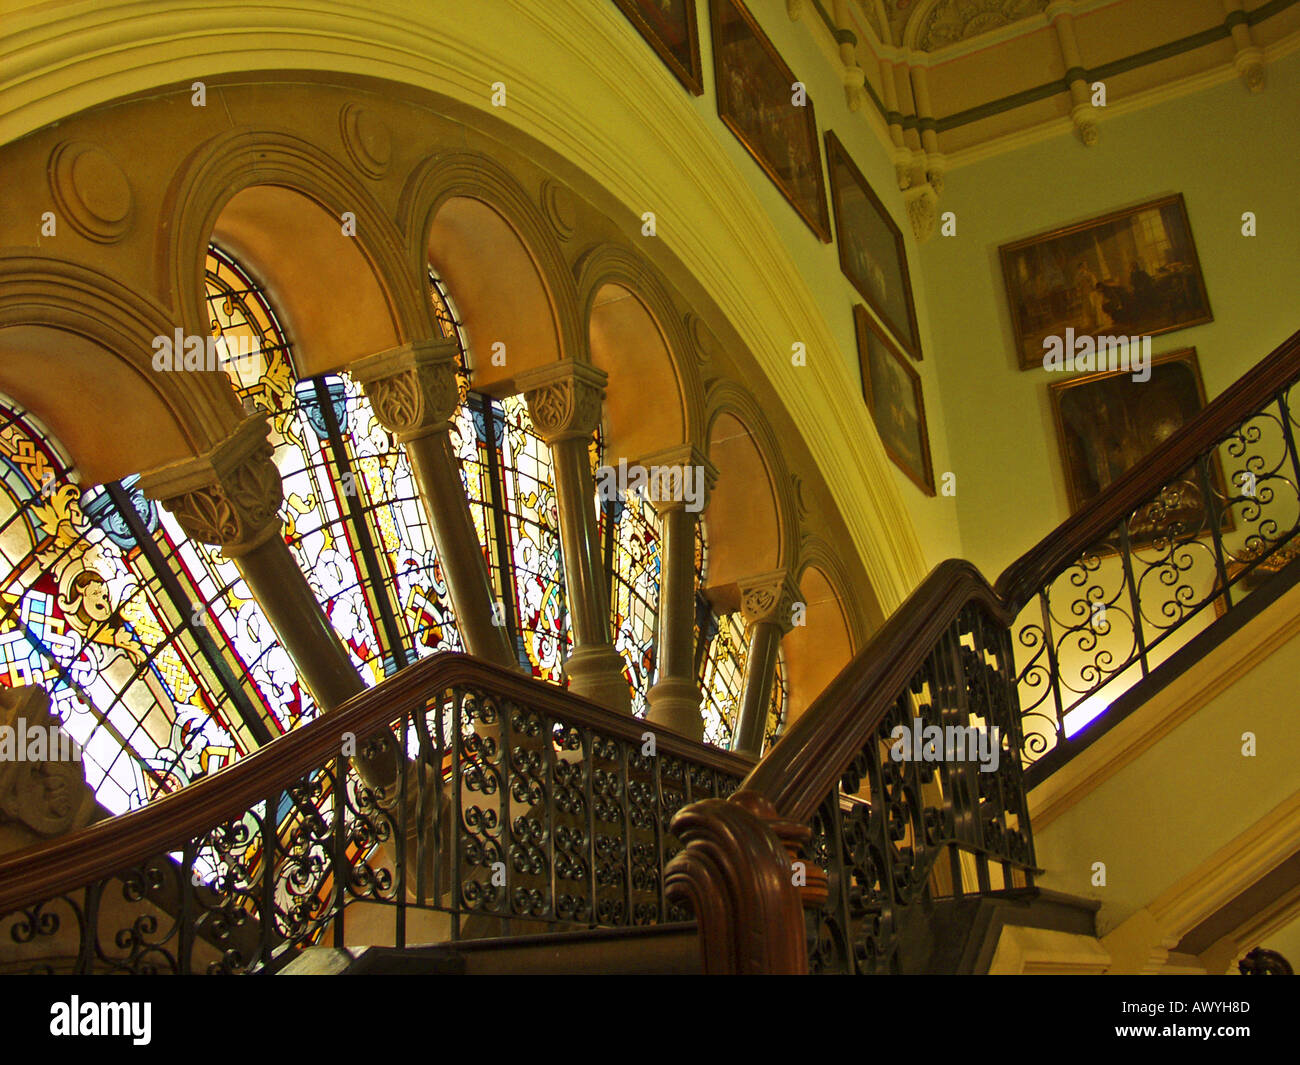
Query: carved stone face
pixel 47 796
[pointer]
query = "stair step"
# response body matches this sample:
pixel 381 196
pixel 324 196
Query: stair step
pixel 961 935
pixel 669 950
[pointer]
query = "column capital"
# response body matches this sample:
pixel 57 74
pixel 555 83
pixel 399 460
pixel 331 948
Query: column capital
pixel 769 597
pixel 677 469
pixel 229 497
pixel 412 388
pixel 563 399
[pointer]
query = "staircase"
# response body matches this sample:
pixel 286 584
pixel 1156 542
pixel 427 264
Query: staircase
pixel 505 825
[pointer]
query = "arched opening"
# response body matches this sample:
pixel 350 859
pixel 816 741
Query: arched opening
pixel 503 304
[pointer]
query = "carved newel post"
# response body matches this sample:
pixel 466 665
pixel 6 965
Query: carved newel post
pixel 414 394
pixel 675 698
pixel 767 603
pixel 564 401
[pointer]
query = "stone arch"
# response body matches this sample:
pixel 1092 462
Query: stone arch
pixel 102 336
pixel 500 261
pixel 654 399
pixel 751 531
pixel 276 201
pixel 833 630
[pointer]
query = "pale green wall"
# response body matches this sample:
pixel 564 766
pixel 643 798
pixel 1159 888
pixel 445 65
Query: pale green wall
pixel 935 518
pixel 1227 152
pixel 1166 812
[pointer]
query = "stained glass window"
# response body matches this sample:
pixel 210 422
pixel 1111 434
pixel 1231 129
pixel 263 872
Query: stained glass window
pixel 506 468
pixel 630 541
pixel 721 652
pixel 99 609
pixel 352 514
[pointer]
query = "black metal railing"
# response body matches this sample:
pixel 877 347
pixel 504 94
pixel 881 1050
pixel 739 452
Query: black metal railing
pixel 518 808
pixel 915 819
pixel 1188 554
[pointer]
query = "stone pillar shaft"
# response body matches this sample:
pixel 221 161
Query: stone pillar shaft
pixel 414 394
pixel 230 498
pixel 767 602
pixel 564 400
pixel 760 672
pixel 675 698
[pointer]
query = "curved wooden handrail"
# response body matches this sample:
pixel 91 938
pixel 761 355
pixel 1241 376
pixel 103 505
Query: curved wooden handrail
pixel 797 773
pixel 800 769
pixel 47 870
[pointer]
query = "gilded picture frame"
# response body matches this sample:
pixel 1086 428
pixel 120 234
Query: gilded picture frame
pixel 1132 272
pixel 755 90
pixel 892 390
pixel 670 28
pixel 873 255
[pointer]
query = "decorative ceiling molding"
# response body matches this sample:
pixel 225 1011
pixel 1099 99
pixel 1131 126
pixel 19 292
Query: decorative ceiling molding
pixel 948 22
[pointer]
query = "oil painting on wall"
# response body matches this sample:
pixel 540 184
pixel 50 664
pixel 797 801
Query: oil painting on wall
pixel 892 389
pixel 872 254
pixel 1130 273
pixel 1107 423
pixel 757 102
pixel 669 28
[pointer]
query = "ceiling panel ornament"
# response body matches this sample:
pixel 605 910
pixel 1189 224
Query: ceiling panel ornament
pixel 950 21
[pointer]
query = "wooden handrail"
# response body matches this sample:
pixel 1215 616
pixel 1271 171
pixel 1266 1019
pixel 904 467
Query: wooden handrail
pixel 800 769
pixel 47 870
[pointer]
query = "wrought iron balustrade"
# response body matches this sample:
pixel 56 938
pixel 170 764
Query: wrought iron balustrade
pixel 1097 605
pixel 1218 515
pixel 517 808
pixel 898 833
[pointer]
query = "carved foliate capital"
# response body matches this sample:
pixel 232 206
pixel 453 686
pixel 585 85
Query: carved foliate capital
pixel 412 388
pixel 678 477
pixel 230 497
pixel 769 597
pixel 42 780
pixel 1084 117
pixel 563 399
pixel 1249 64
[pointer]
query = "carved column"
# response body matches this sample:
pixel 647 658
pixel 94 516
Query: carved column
pixel 44 796
pixel 767 603
pixel 1060 14
pixel 564 401
pixel 1248 60
pixel 230 498
pixel 675 698
pixel 414 395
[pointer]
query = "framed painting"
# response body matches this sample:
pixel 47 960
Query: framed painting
pixel 872 254
pixel 1107 423
pixel 892 389
pixel 757 102
pixel 1130 273
pixel 669 28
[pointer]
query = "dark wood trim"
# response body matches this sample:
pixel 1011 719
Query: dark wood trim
pixel 50 869
pixel 734 873
pixel 797 773
pixel 799 770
